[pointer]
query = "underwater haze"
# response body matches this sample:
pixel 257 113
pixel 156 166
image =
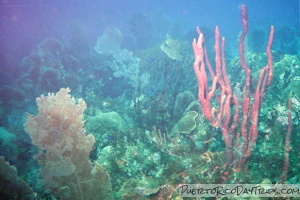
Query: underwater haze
pixel 129 99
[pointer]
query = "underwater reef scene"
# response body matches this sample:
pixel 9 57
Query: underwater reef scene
pixel 132 104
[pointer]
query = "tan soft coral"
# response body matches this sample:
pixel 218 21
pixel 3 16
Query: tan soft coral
pixel 65 148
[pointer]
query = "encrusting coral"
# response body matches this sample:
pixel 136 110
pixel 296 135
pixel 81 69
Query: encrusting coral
pixel 65 148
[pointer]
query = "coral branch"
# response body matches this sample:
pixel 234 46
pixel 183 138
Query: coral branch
pixel 218 117
pixel 287 146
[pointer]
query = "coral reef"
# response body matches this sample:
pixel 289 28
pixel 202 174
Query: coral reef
pixel 12 186
pixel 140 131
